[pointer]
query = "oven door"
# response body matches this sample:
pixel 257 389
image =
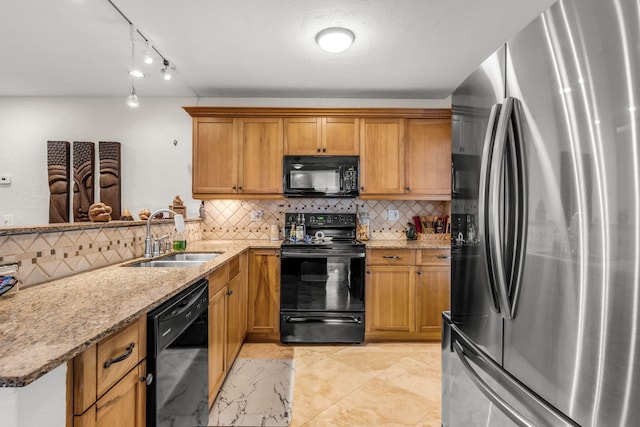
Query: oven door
pixel 322 296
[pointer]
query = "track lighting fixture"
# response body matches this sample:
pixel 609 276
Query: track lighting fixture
pixel 132 99
pixel 148 59
pixel 166 71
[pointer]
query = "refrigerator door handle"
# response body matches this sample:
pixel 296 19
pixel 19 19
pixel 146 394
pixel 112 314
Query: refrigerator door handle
pixel 507 409
pixel 521 186
pixel 538 409
pixel 483 205
pixel 495 209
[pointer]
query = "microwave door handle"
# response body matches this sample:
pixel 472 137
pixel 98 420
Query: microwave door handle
pixel 341 178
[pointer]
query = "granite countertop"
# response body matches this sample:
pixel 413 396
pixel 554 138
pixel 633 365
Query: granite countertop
pixel 45 325
pixel 408 244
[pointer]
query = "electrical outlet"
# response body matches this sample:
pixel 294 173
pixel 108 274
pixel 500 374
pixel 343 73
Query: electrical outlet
pixel 256 215
pixel 393 214
pixel 5 179
pixel 7 219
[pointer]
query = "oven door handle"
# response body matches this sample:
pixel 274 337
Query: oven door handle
pixel 332 254
pixel 322 319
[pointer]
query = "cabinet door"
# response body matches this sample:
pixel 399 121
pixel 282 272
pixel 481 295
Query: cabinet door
pixel 433 297
pixel 428 158
pixel 217 341
pixel 234 325
pixel 381 156
pixel 244 293
pixel 264 292
pixel 215 156
pixel 302 136
pixel 123 405
pixel 261 165
pixel 390 299
pixel 340 136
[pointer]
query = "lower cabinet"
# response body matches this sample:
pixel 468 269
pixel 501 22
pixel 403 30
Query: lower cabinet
pixel 227 330
pixel 108 380
pixel 406 292
pixel 264 295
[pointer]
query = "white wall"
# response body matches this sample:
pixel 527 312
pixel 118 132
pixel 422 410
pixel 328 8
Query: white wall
pixel 153 169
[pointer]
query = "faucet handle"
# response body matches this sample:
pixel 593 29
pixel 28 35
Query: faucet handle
pixel 156 247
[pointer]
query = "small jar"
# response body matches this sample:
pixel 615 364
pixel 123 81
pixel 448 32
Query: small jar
pixel 179 242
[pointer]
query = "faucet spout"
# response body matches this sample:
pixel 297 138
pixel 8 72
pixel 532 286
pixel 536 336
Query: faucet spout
pixel 148 251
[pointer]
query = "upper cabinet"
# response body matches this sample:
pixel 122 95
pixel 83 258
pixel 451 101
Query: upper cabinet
pixel 428 158
pixel 405 154
pixel 241 157
pixel 329 136
pixel 381 157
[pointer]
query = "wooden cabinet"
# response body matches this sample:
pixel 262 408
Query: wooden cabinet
pixel 381 157
pixel 406 293
pixel 433 290
pixel 237 156
pixel 215 156
pixel 217 340
pixel 261 153
pixel 428 159
pixel 264 295
pixel 227 295
pixel 331 136
pixel 108 380
pixel 405 154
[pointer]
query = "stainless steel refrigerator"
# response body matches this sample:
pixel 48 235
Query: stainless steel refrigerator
pixel 544 328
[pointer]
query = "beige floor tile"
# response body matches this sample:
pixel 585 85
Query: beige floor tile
pixel 306 405
pixel 310 354
pixel 329 378
pixel 414 376
pixel 376 403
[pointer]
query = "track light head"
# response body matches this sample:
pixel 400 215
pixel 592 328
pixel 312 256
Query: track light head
pixel 166 70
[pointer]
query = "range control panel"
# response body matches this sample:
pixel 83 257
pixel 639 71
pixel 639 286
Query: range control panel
pixel 319 220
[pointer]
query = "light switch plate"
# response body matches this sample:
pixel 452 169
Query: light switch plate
pixel 7 219
pixel 393 214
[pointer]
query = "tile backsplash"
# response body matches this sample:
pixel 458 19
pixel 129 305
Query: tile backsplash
pixel 231 219
pixel 48 255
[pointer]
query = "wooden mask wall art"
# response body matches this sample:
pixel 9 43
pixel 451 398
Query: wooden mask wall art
pixel 110 193
pixel 83 167
pixel 59 172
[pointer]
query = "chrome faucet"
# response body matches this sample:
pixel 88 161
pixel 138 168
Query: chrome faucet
pixel 148 246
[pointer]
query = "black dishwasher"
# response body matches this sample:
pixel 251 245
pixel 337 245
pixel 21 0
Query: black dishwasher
pixel 177 356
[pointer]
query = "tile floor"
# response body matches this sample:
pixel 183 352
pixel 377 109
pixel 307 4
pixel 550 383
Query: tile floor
pixel 390 384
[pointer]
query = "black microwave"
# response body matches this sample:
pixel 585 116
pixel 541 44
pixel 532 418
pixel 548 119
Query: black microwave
pixel 321 176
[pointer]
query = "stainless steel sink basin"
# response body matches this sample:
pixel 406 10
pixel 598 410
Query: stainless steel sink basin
pixel 202 257
pixel 180 260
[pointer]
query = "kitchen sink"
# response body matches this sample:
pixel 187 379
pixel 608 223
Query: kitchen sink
pixel 180 260
pixel 202 257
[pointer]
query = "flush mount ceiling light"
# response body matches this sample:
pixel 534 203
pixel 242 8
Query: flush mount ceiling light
pixel 335 39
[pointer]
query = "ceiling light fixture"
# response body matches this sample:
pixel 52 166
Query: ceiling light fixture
pixel 136 73
pixel 166 71
pixel 132 99
pixel 148 59
pixel 335 39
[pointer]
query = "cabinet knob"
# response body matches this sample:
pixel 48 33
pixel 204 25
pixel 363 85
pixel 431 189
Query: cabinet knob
pixel 148 379
pixel 419 273
pixel 324 150
pixel 368 272
pixel 409 189
pixel 361 188
pixel 235 188
pixel 230 292
pixel 240 188
pixel 318 150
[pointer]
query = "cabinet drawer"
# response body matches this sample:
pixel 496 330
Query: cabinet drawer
pixel 234 267
pixel 218 279
pixel 90 377
pixel 390 257
pixel 119 353
pixel 434 257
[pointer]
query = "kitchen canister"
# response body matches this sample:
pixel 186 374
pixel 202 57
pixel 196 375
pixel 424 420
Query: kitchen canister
pixel 275 232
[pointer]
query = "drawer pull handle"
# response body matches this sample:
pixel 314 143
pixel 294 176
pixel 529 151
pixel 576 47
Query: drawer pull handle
pixel 391 256
pixel 120 358
pixel 444 256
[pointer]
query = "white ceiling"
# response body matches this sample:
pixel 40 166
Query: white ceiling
pixel 414 49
